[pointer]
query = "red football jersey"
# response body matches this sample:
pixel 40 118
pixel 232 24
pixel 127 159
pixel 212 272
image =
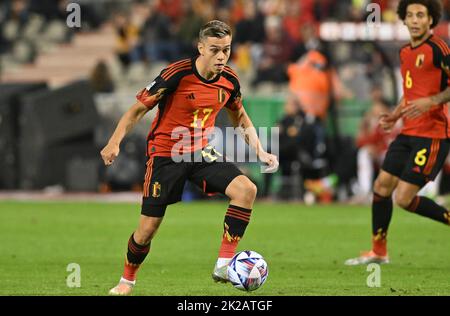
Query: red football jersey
pixel 187 102
pixel 425 71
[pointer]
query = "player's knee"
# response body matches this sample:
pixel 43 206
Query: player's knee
pixel 244 190
pixel 382 187
pixel 403 200
pixel 248 192
pixel 251 190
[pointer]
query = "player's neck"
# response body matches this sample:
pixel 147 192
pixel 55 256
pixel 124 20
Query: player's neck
pixel 203 71
pixel 420 40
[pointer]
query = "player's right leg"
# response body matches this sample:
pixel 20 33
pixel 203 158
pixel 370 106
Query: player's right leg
pixel 164 182
pixel 138 248
pixel 382 205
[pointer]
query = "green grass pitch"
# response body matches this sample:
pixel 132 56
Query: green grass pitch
pixel 305 247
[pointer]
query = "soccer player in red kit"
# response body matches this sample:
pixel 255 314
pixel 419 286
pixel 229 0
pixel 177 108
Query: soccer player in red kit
pixel 189 94
pixel 419 151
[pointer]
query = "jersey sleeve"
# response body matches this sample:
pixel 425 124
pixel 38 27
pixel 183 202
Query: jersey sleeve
pixel 235 101
pixel 445 63
pixel 155 91
pixel 441 55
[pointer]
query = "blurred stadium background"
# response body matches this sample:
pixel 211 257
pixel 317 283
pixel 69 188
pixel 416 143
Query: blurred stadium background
pixel 314 68
pixel 63 89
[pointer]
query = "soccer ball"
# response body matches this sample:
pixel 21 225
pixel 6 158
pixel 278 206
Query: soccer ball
pixel 247 271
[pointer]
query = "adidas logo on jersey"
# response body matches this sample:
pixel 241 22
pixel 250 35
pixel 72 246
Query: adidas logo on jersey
pixel 416 169
pixel 191 96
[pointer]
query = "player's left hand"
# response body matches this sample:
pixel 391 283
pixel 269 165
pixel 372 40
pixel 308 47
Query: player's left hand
pixel 414 109
pixel 270 160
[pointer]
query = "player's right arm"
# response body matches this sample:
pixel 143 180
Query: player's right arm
pixel 147 99
pixel 110 152
pixel 388 120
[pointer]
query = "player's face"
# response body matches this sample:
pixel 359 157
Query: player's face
pixel 418 21
pixel 215 52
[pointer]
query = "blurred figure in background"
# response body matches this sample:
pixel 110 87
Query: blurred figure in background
pixel 249 37
pixel 126 38
pixel 158 34
pixel 18 29
pixel 276 53
pixel 372 143
pixel 101 80
pixel 313 84
pixel 296 15
pixel 309 41
pixel 290 139
pixel 190 23
pixel 309 88
pixel 173 9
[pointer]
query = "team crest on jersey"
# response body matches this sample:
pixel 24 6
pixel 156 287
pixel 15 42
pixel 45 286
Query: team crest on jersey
pixel 420 60
pixel 221 95
pixel 160 93
pixel 156 190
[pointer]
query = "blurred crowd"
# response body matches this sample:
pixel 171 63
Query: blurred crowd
pixel 268 34
pixel 276 42
pixel 28 27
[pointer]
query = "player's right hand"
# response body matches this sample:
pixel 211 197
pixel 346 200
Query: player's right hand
pixel 387 122
pixel 110 153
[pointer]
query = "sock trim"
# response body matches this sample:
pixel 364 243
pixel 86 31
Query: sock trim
pixel 137 249
pixel 378 198
pixel 238 208
pixel 245 218
pixel 412 207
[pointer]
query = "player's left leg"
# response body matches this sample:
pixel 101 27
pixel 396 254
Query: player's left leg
pixel 226 178
pixel 242 194
pixel 425 164
pixel 406 197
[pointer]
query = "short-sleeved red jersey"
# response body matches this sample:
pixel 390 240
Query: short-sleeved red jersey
pixel 425 70
pixel 187 101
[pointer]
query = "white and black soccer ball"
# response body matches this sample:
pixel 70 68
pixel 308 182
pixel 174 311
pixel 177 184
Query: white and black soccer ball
pixel 248 270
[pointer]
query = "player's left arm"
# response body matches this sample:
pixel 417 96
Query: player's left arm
pixel 416 107
pixel 242 121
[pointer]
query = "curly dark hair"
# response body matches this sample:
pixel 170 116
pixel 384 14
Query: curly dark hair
pixel 434 9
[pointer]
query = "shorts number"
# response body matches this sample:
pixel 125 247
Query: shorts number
pixel 421 159
pixel 206 114
pixel 409 81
